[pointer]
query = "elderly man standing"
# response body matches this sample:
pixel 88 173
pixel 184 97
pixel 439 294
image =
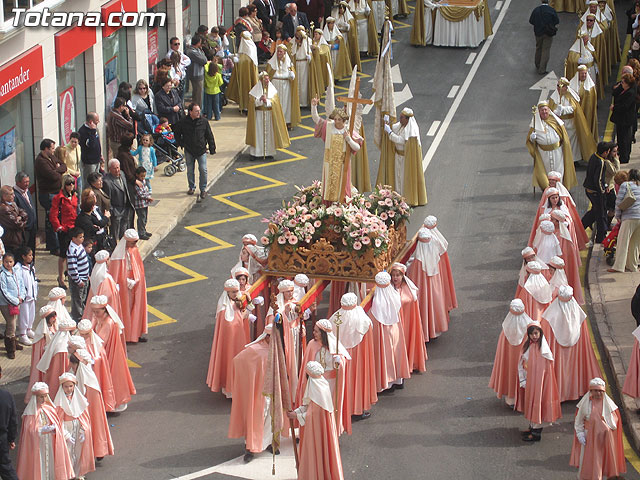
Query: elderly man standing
pixel 12 219
pixel 24 200
pixel 544 20
pixel 115 186
pixel 291 21
pixel 409 176
pixel 193 133
pixel 49 172
pixel 550 147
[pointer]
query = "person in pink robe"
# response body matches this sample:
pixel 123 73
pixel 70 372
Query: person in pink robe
pixel 230 336
pixel 42 434
pixel 127 269
pixel 108 326
pixel 570 252
pixel 57 297
pixel 329 352
pixel 546 244
pixel 100 362
pixel 504 376
pixel 598 450
pixel 410 318
pixel 102 283
pixel 250 418
pixel 55 358
pixel 319 453
pixel 538 396
pixel 73 410
pixel 575 363
pixel 631 385
pixel 424 271
pixel 356 335
pixel 529 255
pixel 80 363
pixel 558 275
pixel 535 293
pixel 390 349
pixel 44 332
pixel 444 265
pixel 242 275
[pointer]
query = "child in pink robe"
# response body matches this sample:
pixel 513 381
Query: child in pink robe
pixel 55 358
pixel 127 269
pixel 535 293
pixel 44 332
pixel 102 283
pixel 631 385
pixel 100 361
pixel 570 252
pixel 444 265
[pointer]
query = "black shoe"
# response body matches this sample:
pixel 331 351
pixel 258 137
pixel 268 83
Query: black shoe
pixel 191 191
pixel 534 436
pixel 99 459
pixel 270 450
pixel 248 457
pixel 357 418
pixel 400 387
pixel 526 432
pixel 203 195
pixel 144 236
pixel 143 339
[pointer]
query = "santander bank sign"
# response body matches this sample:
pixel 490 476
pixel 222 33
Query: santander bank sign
pixel 20 73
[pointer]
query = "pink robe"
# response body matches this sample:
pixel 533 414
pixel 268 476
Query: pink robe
pixel 134 301
pixel 102 442
pixel 574 366
pixel 631 385
pixel 532 307
pixel 539 400
pixel 319 447
pixel 576 220
pixel 103 374
pixel 123 386
pixel 413 333
pixel 87 457
pixel 37 349
pixel 229 339
pixel 58 365
pixel 604 451
pixel 572 263
pixel 504 376
pixel 360 384
pixel 431 299
pixel 390 352
pixel 247 407
pixel 108 288
pixel 444 268
pixel 28 465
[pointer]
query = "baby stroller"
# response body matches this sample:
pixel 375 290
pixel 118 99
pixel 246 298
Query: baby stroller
pixel 609 244
pixel 168 152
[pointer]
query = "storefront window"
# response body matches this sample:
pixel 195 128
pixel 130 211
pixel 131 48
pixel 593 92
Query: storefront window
pixel 16 138
pixel 190 19
pixel 72 104
pixel 231 8
pixel 114 54
pixel 157 40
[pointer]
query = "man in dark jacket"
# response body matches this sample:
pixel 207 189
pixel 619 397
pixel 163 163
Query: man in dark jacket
pixel 268 15
pixel 544 20
pixel 623 113
pixel 195 71
pixel 25 201
pixel 313 9
pixel 595 189
pixel 90 148
pixel 193 133
pixel 293 20
pixel 8 433
pixel 115 186
pixel 49 172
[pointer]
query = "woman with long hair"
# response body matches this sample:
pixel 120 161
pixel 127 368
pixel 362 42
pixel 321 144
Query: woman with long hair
pixel 63 214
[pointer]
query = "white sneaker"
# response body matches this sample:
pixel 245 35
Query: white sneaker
pixel 24 340
pixel 31 333
pixel 120 408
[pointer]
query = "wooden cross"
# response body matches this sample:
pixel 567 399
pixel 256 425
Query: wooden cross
pixel 355 101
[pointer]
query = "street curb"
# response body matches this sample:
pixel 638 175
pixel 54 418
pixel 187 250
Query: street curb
pixel 611 349
pixel 150 245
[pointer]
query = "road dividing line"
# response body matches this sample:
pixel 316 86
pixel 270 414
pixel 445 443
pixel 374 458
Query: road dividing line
pixel 463 90
pixel 453 91
pixel 498 4
pixel 472 56
pixel 434 128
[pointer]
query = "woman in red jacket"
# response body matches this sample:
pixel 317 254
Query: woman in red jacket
pixel 63 213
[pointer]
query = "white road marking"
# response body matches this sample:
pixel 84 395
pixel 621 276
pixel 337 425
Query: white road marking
pixel 434 128
pixel 453 91
pixel 465 86
pixel 396 76
pixel 472 56
pixel 545 85
pixel 498 4
pixel 258 469
pixel 400 97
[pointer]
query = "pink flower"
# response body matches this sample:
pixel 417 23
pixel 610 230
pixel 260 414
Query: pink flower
pixel 378 242
pixel 392 213
pixel 291 211
pixel 357 245
pixel 307 239
pixel 292 223
pixel 337 212
pixel 293 239
pixel 374 227
pixel 389 202
pixel 282 240
pixel 303 199
pixel 383 216
pixel 314 215
pixel 264 240
pixel 367 204
pixel 317 223
pixel 354 234
pixel 366 240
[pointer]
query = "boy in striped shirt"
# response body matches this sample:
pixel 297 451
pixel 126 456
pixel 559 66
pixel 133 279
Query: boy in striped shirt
pixel 78 268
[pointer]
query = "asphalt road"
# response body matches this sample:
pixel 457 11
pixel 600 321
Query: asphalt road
pixel 446 423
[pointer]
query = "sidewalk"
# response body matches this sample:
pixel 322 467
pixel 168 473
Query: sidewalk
pixel 611 306
pixel 171 204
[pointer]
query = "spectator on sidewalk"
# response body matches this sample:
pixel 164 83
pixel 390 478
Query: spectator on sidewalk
pixel 12 294
pixel 612 167
pixel 127 162
pixel 63 213
pixel 119 123
pixel 115 186
pixel 147 157
pixel 12 219
pixel 594 188
pixel 92 220
pixel 212 93
pixel 174 46
pixel 193 133
pixel 635 305
pixel 62 155
pixel 293 20
pixel 623 113
pixel 25 269
pixel 24 200
pixel 8 433
pixel 168 102
pixel 73 159
pixel 78 273
pixel 49 179
pixel 143 99
pixel 195 71
pixel 141 203
pixel 545 25
pixel 90 148
pixel 628 245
